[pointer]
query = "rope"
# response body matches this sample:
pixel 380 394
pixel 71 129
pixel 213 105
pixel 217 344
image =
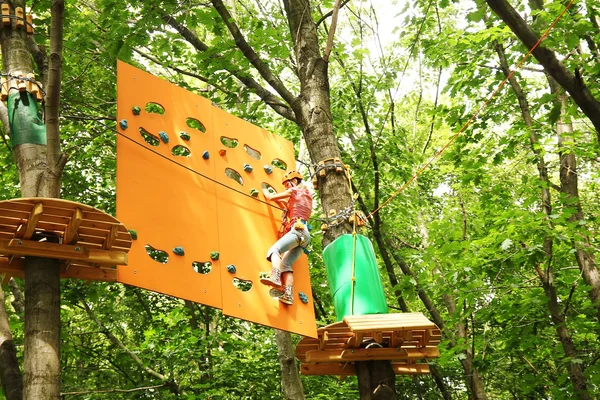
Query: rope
pixel 474 116
pixel 353 279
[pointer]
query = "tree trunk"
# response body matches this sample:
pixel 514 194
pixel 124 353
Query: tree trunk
pixel 292 385
pixel 40 163
pixel 547 278
pixel 569 185
pixel 313 114
pixel 42 329
pixel 10 375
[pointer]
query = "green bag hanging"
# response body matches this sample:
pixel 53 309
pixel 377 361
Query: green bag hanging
pixel 369 297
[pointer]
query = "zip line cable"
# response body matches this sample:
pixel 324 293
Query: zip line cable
pixel 474 116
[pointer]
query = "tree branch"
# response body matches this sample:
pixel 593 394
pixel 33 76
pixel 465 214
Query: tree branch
pixel 336 10
pixel 251 55
pixel 330 13
pixel 572 83
pixel 181 71
pixel 171 383
pixel 113 390
pixel 54 155
pixel 271 100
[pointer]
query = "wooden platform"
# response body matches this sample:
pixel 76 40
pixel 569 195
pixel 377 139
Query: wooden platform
pixel 90 242
pixel 403 338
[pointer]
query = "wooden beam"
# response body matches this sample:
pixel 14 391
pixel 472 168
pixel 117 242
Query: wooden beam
pixel 71 230
pixel 17 269
pixel 345 369
pixel 62 251
pixel 348 355
pixel 323 339
pixel 111 237
pixel 26 231
pixel 355 340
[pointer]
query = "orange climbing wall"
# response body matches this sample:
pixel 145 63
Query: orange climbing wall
pixel 189 202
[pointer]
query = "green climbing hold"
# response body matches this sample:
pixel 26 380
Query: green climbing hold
pixel 136 110
pixel 133 234
pixel 214 255
pixel 254 193
pixel 184 135
pixel 179 251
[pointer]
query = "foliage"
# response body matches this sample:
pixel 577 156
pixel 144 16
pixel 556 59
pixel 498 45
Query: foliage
pixel 471 227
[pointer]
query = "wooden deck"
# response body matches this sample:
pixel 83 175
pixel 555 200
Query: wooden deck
pixel 406 339
pixel 89 242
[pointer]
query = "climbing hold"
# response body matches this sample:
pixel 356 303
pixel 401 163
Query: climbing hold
pixel 322 172
pixel 133 234
pixel 136 110
pixel 315 182
pixel 179 251
pixel 253 192
pixel 247 167
pixel 303 297
pixel 163 137
pixel 332 212
pixel 231 269
pixel 324 227
pixel 222 152
pixel 206 155
pixel 339 169
pixel 214 255
pixel 184 135
pixel 268 169
pixel 123 124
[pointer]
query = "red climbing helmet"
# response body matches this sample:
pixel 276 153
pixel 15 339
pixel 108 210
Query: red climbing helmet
pixel 288 176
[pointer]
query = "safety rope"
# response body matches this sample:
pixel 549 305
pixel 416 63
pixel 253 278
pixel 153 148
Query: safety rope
pixel 353 278
pixel 474 116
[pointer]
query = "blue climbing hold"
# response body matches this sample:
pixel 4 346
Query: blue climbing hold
pixel 268 169
pixel 179 251
pixel 123 124
pixel 247 167
pixel 214 255
pixel 231 269
pixel 303 297
pixel 206 155
pixel 163 137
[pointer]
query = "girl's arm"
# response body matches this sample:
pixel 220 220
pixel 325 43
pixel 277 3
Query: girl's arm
pixel 278 196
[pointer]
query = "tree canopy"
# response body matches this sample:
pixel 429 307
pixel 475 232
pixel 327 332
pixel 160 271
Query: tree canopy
pixel 495 240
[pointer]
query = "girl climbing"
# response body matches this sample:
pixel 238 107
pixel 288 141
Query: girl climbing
pixel 296 201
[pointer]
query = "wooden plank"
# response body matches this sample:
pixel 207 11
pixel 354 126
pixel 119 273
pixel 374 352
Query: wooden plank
pixel 345 369
pixel 71 230
pixel 62 251
pixel 348 355
pixel 355 340
pixel 17 269
pixel 57 207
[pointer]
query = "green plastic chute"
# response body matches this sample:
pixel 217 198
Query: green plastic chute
pixel 26 125
pixel 368 296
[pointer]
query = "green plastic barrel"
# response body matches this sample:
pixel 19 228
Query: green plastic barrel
pixel 368 290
